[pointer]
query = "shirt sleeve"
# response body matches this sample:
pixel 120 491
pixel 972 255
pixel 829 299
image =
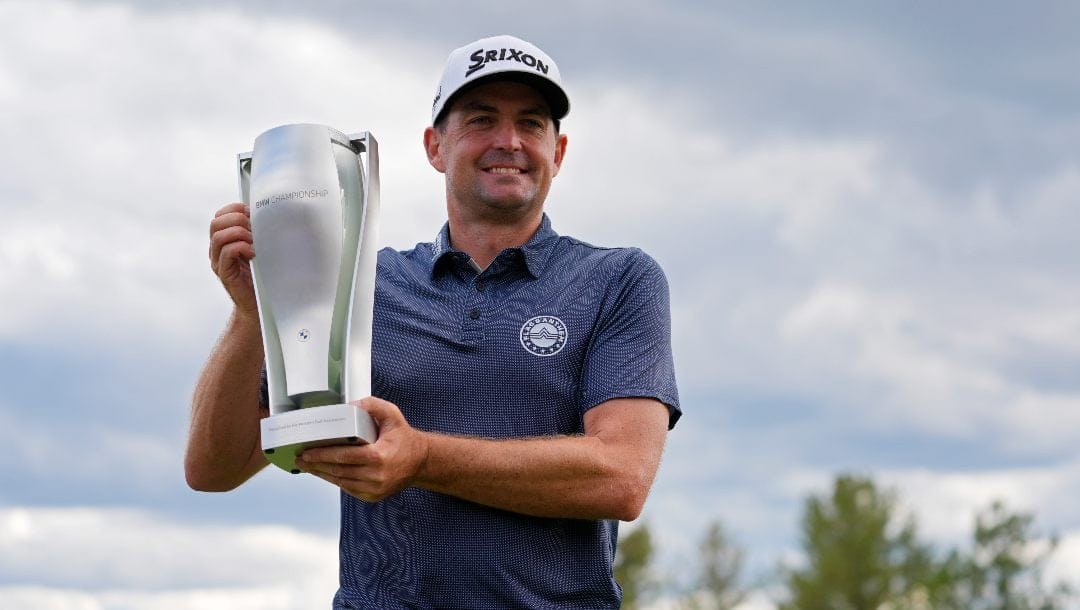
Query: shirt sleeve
pixel 629 354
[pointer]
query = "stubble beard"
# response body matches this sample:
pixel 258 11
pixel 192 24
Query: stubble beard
pixel 482 203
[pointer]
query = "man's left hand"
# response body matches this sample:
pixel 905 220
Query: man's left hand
pixel 372 472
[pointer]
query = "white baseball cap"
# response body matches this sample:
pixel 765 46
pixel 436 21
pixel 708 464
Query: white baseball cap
pixel 500 58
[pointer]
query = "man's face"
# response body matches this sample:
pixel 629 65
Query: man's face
pixel 499 150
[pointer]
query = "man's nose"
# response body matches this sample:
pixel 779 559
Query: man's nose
pixel 507 136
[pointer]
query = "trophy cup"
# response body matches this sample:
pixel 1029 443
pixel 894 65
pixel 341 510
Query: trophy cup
pixel 314 219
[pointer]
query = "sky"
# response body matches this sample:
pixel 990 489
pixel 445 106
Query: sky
pixel 867 216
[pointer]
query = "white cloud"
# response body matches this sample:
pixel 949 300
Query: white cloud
pixel 292 596
pixel 908 361
pixel 142 461
pixel 124 128
pixel 947 502
pixel 119 558
pixel 637 164
pixel 1064 564
pixel 886 346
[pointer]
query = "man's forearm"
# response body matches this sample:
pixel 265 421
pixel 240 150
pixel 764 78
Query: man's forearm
pixel 550 477
pixel 603 475
pixel 224 444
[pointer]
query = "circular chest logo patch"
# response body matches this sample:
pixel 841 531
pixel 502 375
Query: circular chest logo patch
pixel 543 335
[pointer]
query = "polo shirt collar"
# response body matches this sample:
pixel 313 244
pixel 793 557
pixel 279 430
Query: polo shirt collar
pixel 534 252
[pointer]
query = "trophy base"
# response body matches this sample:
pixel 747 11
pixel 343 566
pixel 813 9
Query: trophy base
pixel 286 434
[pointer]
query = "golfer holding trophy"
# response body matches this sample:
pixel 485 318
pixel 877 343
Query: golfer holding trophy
pixel 490 403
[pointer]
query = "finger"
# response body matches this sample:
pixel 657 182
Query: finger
pixel 358 456
pixel 230 219
pixel 382 411
pixel 326 469
pixel 233 244
pixel 354 477
pixel 326 477
pixel 234 257
pixel 367 491
pixel 232 261
pixel 360 481
pixel 219 239
pixel 232 207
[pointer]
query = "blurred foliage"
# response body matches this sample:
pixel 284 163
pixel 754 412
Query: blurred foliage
pixel 720 563
pixel 860 557
pixel 860 553
pixel 633 570
pixel 1005 569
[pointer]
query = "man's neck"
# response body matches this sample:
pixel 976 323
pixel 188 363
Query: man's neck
pixel 483 241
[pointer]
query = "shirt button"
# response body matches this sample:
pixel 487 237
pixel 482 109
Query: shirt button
pixel 481 286
pixel 474 313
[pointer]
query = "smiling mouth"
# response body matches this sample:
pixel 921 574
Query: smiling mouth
pixel 504 170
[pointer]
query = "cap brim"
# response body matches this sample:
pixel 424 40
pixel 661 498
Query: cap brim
pixel 553 94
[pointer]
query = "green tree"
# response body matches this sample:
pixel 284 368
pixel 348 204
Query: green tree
pixel 860 556
pixel 633 569
pixel 1005 568
pixel 717 585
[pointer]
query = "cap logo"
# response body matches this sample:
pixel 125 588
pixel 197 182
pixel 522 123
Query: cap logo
pixel 481 57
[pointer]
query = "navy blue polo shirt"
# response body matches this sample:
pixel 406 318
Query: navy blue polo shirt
pixel 522 349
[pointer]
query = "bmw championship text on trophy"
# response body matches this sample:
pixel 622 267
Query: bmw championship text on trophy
pixel 314 219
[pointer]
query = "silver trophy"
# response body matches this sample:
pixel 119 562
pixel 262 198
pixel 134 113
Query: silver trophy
pixel 314 218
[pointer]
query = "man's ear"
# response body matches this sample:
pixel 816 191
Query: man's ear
pixel 432 139
pixel 560 152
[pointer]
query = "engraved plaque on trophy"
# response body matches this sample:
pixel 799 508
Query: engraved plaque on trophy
pixel 313 193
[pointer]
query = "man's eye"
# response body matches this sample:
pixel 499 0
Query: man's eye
pixel 533 124
pixel 480 120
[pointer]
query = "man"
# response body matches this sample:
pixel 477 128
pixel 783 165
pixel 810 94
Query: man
pixel 522 381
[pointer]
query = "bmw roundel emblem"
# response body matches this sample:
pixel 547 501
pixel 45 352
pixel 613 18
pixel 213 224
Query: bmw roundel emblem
pixel 304 334
pixel 543 335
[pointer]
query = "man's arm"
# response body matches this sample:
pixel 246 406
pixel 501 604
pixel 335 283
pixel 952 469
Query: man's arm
pixel 224 446
pixel 604 474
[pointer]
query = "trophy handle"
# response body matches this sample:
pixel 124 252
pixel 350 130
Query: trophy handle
pixel 243 176
pixel 357 375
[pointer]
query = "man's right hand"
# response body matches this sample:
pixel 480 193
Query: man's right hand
pixel 231 250
pixel 223 448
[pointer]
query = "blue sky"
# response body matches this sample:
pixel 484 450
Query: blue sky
pixel 867 215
